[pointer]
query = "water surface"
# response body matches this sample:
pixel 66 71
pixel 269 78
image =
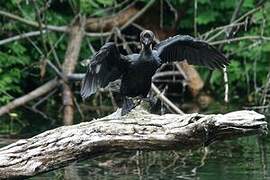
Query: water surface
pixel 243 158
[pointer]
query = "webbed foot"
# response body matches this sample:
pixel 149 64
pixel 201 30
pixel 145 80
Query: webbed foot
pixel 128 105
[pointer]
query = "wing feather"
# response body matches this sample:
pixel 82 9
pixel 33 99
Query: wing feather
pixel 106 66
pixel 179 48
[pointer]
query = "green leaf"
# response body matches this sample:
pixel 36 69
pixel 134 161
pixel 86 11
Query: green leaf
pixel 206 17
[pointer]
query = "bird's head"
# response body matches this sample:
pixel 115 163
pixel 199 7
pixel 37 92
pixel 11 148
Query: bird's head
pixel 147 38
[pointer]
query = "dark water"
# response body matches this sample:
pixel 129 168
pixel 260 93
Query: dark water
pixel 243 158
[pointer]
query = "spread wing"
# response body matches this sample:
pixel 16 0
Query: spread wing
pixel 106 66
pixel 179 48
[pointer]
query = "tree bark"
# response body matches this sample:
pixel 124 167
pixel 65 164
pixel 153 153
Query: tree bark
pixel 138 130
pixel 71 57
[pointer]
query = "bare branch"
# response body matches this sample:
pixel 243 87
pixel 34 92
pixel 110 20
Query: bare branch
pixel 48 27
pixel 163 98
pixel 234 22
pixel 226 84
pixel 122 20
pixel 224 41
pixel 139 14
pixel 21 36
pixel 33 23
pixel 106 24
pixel 44 89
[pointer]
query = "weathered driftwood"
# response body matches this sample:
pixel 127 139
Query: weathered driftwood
pixel 138 130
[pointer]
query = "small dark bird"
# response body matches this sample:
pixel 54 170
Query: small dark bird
pixel 136 70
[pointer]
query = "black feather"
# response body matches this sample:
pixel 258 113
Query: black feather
pixel 194 51
pixel 106 66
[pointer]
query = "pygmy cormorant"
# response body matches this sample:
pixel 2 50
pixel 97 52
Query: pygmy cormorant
pixel 136 70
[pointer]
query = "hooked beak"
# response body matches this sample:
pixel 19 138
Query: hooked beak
pixel 146 41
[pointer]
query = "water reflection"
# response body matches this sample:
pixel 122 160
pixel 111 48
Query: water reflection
pixel 245 158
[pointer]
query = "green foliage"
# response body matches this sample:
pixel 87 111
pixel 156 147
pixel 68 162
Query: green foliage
pixel 249 58
pixel 11 64
pixel 20 60
pixel 95 7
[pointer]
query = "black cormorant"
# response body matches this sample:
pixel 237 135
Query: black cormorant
pixel 136 70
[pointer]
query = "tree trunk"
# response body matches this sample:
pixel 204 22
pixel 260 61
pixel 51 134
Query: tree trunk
pixel 138 130
pixel 71 57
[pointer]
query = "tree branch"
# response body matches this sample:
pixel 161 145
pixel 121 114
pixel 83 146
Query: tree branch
pixel 45 88
pixel 95 25
pixel 21 36
pixel 249 13
pixel 48 27
pixel 139 14
pixel 166 100
pixel 240 39
pixel 138 130
pixel 33 23
pixel 106 24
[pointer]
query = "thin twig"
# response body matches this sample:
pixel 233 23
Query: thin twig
pixel 44 99
pixel 21 36
pixel 174 12
pixel 138 26
pixel 78 108
pixel 206 34
pixel 43 89
pixel 195 17
pixel 33 23
pixel 58 73
pixel 165 99
pixel 49 27
pixel 45 116
pixel 166 73
pixel 40 26
pixel 235 21
pixel 226 84
pixel 103 11
pixel 240 39
pixel 141 12
pixel 125 44
pixel 56 58
pixel 92 49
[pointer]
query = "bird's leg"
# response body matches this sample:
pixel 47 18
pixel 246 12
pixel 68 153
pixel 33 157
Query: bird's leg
pixel 128 105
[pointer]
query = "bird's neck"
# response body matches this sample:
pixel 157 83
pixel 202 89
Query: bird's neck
pixel 147 50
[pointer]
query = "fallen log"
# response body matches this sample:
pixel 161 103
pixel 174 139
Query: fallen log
pixel 138 130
